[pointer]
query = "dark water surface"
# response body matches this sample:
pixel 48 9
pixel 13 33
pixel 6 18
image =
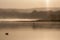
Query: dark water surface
pixel 30 25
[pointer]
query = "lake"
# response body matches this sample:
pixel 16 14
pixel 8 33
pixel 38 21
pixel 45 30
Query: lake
pixel 30 30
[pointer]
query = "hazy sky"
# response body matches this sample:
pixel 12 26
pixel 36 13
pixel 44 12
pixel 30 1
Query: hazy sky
pixel 23 4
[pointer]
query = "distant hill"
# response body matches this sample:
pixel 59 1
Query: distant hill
pixel 33 13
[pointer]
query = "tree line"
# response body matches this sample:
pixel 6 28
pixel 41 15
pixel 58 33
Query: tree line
pixel 47 15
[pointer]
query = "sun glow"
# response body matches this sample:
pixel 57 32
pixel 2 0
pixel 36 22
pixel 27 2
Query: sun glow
pixel 47 4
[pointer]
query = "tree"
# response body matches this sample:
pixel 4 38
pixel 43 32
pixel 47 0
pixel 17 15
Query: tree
pixel 34 14
pixel 52 15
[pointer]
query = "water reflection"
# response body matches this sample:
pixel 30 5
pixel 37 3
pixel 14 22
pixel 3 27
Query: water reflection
pixel 33 25
pixel 25 30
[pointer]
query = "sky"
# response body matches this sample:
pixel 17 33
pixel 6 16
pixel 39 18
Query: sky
pixel 26 4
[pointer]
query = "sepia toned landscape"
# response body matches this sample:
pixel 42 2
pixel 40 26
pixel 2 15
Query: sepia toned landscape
pixel 40 18
pixel 29 19
pixel 29 24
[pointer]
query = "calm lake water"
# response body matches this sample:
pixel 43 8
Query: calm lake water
pixel 25 31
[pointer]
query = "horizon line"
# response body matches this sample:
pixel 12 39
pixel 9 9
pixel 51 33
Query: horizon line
pixel 31 8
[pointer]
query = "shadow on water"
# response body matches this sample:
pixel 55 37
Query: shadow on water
pixel 33 25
